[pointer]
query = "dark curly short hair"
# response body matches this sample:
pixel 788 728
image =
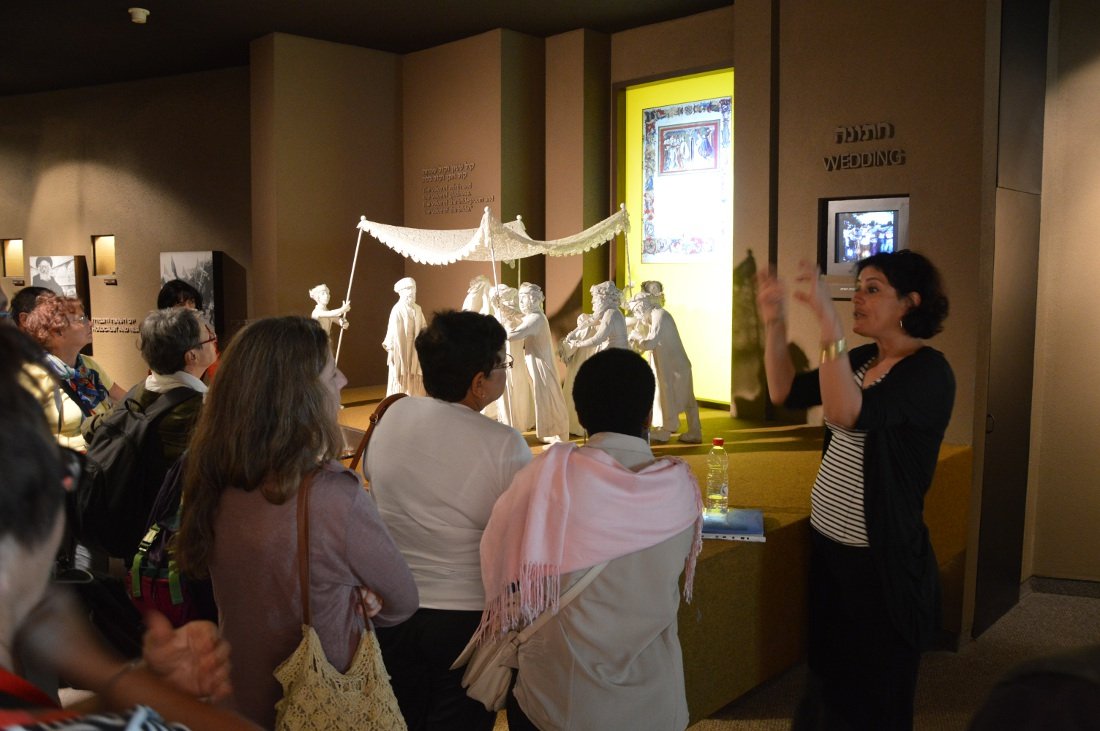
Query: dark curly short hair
pixel 454 348
pixel 907 271
pixel 177 292
pixel 613 392
pixel 24 301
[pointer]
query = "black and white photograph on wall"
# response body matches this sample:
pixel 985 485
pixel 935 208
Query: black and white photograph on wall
pixel 197 269
pixel 55 273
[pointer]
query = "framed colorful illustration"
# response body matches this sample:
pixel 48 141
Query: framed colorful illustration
pixel 687 186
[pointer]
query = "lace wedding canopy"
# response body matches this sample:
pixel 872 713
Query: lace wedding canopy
pixel 490 241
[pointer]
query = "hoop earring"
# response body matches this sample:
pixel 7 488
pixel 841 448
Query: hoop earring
pixel 901 324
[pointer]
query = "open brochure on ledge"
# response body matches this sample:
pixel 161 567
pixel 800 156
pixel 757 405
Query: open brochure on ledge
pixel 738 524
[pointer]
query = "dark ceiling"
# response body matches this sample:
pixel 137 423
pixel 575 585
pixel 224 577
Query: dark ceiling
pixel 58 44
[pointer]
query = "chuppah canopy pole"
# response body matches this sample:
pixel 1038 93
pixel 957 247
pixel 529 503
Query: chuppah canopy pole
pixel 351 278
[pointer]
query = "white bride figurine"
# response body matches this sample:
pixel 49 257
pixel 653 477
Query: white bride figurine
pixel 477 296
pixel 551 416
pixel 655 331
pixel 406 322
pixel 321 296
pixel 515 407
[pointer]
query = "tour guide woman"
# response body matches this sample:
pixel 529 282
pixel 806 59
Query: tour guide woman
pixel 874 586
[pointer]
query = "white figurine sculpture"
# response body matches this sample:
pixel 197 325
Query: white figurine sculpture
pixel 656 333
pixel 574 358
pixel 551 416
pixel 516 407
pixel 406 322
pixel 610 328
pixel 321 296
pixel 477 296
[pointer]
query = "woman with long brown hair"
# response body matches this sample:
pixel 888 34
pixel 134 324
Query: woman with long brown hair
pixel 268 425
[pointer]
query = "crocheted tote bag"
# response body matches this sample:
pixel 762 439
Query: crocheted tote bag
pixel 316 696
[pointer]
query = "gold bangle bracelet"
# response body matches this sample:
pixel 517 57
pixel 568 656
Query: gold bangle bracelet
pixel 833 350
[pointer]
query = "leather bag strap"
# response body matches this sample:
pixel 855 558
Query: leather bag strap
pixel 374 419
pixel 303 547
pixel 571 594
pixel 303 555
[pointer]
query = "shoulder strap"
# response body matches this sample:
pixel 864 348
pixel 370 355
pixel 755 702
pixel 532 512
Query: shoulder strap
pixel 166 401
pixel 68 389
pixel 571 594
pixel 374 419
pixel 303 547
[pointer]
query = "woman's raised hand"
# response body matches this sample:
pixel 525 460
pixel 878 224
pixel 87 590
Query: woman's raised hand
pixel 770 297
pixel 814 293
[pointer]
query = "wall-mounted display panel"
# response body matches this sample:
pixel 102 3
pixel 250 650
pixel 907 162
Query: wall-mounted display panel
pixel 856 228
pixel 674 150
pixel 219 279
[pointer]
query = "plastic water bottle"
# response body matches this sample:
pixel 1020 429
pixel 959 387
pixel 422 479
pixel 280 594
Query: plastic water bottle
pixel 718 496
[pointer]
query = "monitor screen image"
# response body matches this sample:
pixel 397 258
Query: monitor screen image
pixel 856 228
pixel 865 233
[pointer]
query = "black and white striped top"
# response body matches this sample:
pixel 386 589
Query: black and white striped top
pixel 836 501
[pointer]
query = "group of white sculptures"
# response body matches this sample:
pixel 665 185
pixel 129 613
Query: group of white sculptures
pixel 534 396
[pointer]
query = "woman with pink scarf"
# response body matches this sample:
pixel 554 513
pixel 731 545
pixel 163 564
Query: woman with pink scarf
pixel 611 657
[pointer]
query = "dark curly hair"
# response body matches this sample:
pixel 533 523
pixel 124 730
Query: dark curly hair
pixel 907 271
pixel 613 392
pixel 454 348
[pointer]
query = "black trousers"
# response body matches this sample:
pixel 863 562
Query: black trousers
pixel 418 654
pixel 863 672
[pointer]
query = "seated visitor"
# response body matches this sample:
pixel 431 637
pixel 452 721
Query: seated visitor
pixel 610 659
pixel 71 387
pixel 269 424
pixel 44 626
pixel 436 465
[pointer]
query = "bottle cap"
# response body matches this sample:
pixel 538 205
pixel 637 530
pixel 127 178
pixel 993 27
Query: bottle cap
pixel 719 441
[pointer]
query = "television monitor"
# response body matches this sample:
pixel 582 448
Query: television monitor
pixel 855 228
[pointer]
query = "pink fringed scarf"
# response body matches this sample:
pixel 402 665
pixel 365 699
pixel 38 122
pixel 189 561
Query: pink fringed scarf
pixel 570 509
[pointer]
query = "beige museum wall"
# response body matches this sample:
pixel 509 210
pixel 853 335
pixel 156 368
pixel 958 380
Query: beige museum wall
pixel 452 101
pixel 828 81
pixel 326 131
pixel 1065 464
pixel 577 160
pixel 161 164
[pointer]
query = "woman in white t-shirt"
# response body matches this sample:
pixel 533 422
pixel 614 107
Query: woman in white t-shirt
pixel 436 466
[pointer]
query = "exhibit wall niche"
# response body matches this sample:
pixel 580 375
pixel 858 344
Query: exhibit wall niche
pixel 678 173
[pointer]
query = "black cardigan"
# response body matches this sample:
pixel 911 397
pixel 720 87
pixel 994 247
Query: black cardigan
pixel 905 416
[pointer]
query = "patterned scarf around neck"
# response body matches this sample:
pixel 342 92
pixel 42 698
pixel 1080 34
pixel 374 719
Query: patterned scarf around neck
pixel 83 380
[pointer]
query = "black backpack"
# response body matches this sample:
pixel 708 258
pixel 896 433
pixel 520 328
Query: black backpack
pixel 125 468
pixel 154 580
